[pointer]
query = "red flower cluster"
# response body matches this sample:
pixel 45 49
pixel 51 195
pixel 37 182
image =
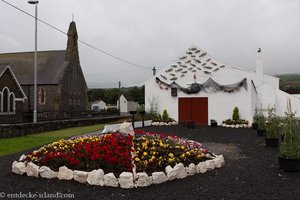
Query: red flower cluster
pixel 111 152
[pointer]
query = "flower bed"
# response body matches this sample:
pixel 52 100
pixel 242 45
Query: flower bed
pixel 161 123
pixel 142 160
pixel 241 123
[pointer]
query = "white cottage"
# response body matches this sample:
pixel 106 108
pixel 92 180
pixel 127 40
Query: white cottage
pixel 127 104
pixel 98 105
pixel 196 87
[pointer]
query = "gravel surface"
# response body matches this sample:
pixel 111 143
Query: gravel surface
pixel 251 172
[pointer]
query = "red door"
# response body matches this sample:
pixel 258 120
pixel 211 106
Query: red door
pixel 193 109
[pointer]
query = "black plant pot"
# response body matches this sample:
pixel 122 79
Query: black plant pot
pixel 254 126
pixel 261 132
pixel 271 142
pixel 282 138
pixel 214 124
pixel 289 165
pixel 190 124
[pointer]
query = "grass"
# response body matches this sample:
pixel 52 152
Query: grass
pixel 17 144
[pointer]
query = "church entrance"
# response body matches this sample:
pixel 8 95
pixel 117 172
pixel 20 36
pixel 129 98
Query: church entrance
pixel 193 109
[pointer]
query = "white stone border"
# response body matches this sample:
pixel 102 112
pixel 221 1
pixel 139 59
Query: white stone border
pixel 125 180
pixel 237 125
pixel 164 123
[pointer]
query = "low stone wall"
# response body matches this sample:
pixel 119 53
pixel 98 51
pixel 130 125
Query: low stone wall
pixel 15 130
pixel 126 179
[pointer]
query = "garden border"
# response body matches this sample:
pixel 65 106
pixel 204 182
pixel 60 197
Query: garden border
pixel 125 180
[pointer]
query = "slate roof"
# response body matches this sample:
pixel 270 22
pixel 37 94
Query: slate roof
pixel 51 65
pixel 128 97
pixel 2 69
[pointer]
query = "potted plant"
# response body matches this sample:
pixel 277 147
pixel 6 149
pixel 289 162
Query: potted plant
pixel 261 125
pixel 272 130
pixel 213 123
pixel 255 124
pixel 289 157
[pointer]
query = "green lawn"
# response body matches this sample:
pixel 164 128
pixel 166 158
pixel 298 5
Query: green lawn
pixel 17 144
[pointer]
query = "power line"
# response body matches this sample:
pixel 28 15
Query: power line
pixel 85 43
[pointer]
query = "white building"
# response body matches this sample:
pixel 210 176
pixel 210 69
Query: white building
pixel 127 104
pixel 98 105
pixel 196 87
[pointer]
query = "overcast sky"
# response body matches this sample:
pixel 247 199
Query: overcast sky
pixel 155 32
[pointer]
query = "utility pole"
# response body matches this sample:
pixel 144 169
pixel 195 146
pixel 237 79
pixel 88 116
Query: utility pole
pixel 119 106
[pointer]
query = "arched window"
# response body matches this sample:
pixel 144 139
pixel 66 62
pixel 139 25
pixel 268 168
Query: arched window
pixel 1 109
pixel 5 100
pixel 42 96
pixel 12 103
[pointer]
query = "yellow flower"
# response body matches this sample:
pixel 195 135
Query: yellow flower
pixel 145 153
pixel 171 155
pixel 182 147
pixel 171 160
pixel 182 155
pixel 137 159
pixel 188 153
pixel 153 157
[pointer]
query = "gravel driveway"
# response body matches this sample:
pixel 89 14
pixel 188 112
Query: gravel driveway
pixel 251 172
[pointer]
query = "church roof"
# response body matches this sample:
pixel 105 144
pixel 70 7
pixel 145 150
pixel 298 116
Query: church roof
pixel 50 66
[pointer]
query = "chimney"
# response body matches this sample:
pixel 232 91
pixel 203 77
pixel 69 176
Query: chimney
pixel 259 65
pixel 154 71
pixel 72 45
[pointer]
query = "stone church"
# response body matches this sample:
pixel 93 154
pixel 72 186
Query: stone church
pixel 61 86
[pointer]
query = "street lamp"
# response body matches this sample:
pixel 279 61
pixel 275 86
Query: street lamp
pixel 35 63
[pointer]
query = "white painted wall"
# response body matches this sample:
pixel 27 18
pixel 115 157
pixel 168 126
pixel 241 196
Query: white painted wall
pixel 220 104
pixel 282 100
pixel 127 106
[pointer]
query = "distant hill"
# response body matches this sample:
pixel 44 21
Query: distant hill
pixel 289 83
pixel 289 77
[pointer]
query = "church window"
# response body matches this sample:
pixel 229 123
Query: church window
pixel 1 109
pixel 5 100
pixel 12 103
pixel 42 96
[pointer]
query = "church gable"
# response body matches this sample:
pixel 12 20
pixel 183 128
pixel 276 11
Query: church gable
pixel 9 81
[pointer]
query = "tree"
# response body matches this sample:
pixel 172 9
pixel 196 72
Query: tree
pixel 235 114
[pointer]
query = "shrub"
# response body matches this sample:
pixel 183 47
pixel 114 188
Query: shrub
pixel 290 148
pixel 112 110
pixel 235 114
pixel 165 116
pixel 261 122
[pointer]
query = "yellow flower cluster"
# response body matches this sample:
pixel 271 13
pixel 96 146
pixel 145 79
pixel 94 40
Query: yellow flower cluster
pixel 154 153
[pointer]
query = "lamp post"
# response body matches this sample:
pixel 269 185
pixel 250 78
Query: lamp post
pixel 35 63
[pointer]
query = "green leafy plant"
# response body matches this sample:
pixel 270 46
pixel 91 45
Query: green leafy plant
pixel 261 121
pixel 290 148
pixel 272 128
pixel 255 117
pixel 165 116
pixel 235 114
